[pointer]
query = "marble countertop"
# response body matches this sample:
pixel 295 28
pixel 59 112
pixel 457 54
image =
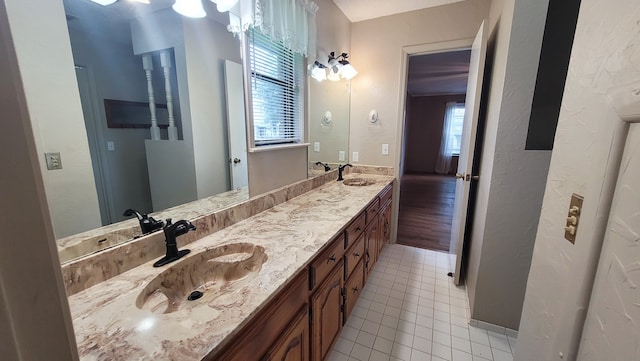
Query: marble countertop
pixel 109 326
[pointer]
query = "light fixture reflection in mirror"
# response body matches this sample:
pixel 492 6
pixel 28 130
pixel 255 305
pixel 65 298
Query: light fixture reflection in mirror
pixel 338 68
pixel 189 8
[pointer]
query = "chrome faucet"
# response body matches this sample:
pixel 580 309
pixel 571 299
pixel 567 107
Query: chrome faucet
pixel 147 224
pixel 171 233
pixel 326 166
pixel 341 169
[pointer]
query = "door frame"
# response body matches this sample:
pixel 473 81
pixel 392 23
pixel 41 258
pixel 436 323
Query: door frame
pixel 406 51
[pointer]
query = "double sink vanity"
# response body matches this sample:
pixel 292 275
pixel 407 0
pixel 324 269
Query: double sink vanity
pixel 276 284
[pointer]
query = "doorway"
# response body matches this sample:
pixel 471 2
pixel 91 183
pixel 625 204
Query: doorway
pixel 434 114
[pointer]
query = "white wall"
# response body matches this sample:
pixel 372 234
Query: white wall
pixel 35 322
pixel 377 54
pixel 584 161
pixel 511 178
pixel 44 54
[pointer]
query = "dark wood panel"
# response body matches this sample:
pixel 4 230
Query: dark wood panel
pixel 426 210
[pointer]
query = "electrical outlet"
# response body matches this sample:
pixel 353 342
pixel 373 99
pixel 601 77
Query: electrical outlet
pixel 316 146
pixel 111 146
pixel 341 155
pixel 53 161
pixel 385 149
pixel 355 157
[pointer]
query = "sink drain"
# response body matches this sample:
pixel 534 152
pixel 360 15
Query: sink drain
pixel 194 295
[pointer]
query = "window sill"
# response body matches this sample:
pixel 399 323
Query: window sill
pixel 266 148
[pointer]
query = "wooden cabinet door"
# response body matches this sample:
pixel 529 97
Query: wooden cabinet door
pixel 352 289
pixel 371 246
pixel 326 314
pixel 293 345
pixel 385 226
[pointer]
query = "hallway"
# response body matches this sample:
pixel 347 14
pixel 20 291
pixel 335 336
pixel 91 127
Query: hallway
pixel 426 209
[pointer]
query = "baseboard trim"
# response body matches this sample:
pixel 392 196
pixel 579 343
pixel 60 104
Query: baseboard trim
pixel 494 328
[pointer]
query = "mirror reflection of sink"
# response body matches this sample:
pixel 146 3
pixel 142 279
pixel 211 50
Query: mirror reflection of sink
pixel 207 274
pixel 358 182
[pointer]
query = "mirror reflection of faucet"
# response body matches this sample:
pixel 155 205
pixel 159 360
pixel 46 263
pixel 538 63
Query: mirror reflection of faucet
pixel 341 169
pixel 147 224
pixel 171 232
pixel 326 166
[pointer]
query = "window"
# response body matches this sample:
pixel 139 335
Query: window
pixel 455 128
pixel 277 76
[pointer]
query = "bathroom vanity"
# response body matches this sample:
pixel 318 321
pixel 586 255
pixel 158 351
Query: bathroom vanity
pixel 283 283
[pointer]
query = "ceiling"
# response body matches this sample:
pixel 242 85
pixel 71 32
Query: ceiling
pixel 359 10
pixel 438 74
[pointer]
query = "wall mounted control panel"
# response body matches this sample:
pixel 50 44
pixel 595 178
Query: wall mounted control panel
pixel 573 218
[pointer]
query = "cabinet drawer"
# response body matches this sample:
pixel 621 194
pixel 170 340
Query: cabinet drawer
pixel 372 211
pixel 355 229
pixel 324 263
pixel 354 255
pixel 353 288
pixel 385 195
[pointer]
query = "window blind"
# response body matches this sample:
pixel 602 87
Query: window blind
pixel 276 90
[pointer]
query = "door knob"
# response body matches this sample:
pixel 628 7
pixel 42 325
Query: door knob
pixel 236 160
pixel 460 176
pixel 475 177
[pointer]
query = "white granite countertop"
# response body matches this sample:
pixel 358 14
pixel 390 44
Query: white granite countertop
pixel 109 326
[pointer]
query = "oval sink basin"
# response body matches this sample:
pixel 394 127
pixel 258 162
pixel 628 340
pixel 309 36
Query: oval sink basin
pixel 358 182
pixel 201 277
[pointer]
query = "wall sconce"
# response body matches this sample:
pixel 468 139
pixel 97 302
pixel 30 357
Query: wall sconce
pixel 338 68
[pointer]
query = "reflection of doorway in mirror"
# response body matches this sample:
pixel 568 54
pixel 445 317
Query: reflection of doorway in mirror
pixel 236 125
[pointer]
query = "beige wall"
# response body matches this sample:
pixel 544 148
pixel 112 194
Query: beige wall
pixel 42 45
pixel 584 161
pixel 272 169
pixel 377 53
pixel 35 322
pixel 423 129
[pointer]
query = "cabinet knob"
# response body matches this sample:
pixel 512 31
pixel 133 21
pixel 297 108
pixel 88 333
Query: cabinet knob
pixel 355 290
pixel 356 255
pixel 332 258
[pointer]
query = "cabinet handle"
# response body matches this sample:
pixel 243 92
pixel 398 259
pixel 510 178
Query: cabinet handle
pixel 356 254
pixel 355 290
pixel 332 258
pixel 358 229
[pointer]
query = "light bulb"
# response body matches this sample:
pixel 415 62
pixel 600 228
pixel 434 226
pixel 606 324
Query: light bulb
pixel 189 8
pixel 225 5
pixel 348 72
pixel 318 74
pixel 333 75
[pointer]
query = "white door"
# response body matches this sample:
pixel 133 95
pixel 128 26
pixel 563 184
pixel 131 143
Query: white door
pixel 464 177
pixel 236 125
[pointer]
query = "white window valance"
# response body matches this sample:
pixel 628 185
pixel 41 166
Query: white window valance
pixel 292 22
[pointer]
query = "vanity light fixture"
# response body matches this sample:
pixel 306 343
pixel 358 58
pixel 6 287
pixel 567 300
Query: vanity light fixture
pixel 189 8
pixel 104 2
pixel 225 5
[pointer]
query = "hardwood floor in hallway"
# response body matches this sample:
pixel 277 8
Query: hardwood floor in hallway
pixel 426 210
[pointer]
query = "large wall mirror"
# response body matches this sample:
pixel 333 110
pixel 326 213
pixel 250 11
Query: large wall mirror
pixel 128 55
pixel 126 51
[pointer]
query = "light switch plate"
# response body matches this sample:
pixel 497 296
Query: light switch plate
pixel 341 155
pixel 355 157
pixel 53 161
pixel 316 146
pixel 111 146
pixel 573 218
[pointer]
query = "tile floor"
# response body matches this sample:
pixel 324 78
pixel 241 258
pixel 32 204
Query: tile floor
pixel 410 310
